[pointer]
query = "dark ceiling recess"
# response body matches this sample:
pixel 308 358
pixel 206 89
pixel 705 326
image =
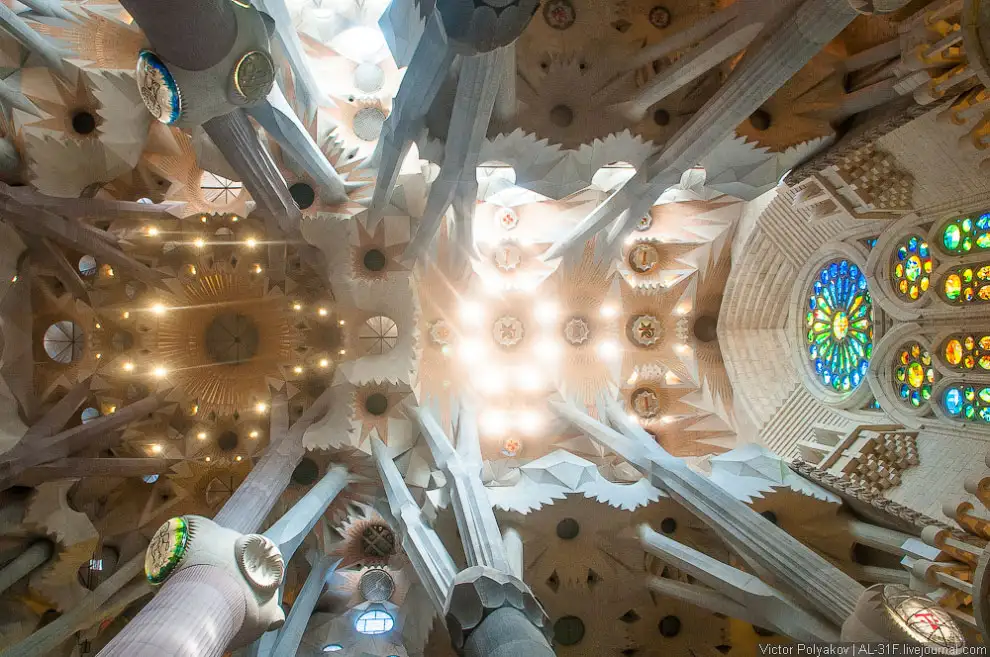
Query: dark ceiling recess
pixel 661 117
pixel 303 194
pixel 668 525
pixel 568 630
pixel 376 404
pixel 378 540
pixel 306 472
pixel 83 123
pixel 769 515
pixel 670 626
pixel 568 529
pixel 706 328
pixel 375 260
pixel 232 338
pixel 227 441
pixel 761 120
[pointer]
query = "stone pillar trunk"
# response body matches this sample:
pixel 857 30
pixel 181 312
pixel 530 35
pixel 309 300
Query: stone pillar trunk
pixel 506 632
pixel 170 37
pixel 24 564
pixel 205 609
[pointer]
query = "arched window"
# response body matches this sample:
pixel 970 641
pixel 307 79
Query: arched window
pixel 911 268
pixel 839 323
pixel 964 235
pixel 966 284
pixel 914 375
pixel 966 402
pixel 964 352
pixel 374 621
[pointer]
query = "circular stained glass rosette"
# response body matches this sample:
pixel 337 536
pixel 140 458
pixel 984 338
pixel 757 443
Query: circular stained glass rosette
pixel 644 258
pixel 912 268
pixel 158 88
pixel 166 550
pixel 914 375
pixel 839 323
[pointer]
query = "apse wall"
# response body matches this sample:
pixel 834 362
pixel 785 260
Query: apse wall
pixel 753 330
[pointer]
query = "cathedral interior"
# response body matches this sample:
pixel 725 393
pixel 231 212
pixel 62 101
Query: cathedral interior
pixel 588 328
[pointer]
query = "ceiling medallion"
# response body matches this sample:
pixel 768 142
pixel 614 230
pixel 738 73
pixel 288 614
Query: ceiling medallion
pixel 921 619
pixel 559 14
pixel 254 75
pixel 660 17
pixel 508 256
pixel 376 585
pixel 260 562
pixel 511 447
pixel 440 333
pixel 645 330
pixel 645 223
pixel 158 88
pixel 645 402
pixel 166 550
pixel 507 218
pixel 577 331
pixel 508 331
pixel 644 258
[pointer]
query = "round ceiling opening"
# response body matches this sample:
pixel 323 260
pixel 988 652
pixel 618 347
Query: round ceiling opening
pixel 376 404
pixel 303 194
pixel 227 441
pixel 568 630
pixel 568 529
pixel 306 472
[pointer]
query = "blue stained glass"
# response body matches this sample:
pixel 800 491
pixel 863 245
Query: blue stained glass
pixel 984 221
pixel 953 401
pixel 840 328
pixel 871 242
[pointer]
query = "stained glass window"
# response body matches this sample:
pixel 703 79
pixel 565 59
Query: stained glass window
pixel 966 234
pixel 914 375
pixel 967 284
pixel 964 352
pixel 911 268
pixel 967 403
pixel 839 321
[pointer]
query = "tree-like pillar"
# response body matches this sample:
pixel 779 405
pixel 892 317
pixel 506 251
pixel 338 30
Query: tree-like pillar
pixel 770 551
pixel 302 608
pixel 489 610
pixel 227 564
pixel 35 556
pixel 514 551
pixel 429 557
pixel 475 516
pixel 87 613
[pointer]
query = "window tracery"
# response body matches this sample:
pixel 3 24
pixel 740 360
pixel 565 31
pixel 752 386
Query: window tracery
pixel 914 375
pixel 839 322
pixel 964 352
pixel 964 235
pixel 964 284
pixel 911 268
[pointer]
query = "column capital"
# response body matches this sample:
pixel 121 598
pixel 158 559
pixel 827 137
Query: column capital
pixel 478 591
pixel 251 560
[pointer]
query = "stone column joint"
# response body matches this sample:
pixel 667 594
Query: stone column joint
pixel 251 560
pixel 478 591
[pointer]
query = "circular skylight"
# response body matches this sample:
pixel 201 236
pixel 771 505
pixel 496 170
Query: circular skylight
pixel 63 342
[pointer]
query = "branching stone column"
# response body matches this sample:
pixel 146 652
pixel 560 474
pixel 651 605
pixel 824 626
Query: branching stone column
pixel 105 597
pixel 36 555
pixel 219 579
pixel 743 591
pixel 770 551
pixel 302 608
pixel 489 610
pixel 789 41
